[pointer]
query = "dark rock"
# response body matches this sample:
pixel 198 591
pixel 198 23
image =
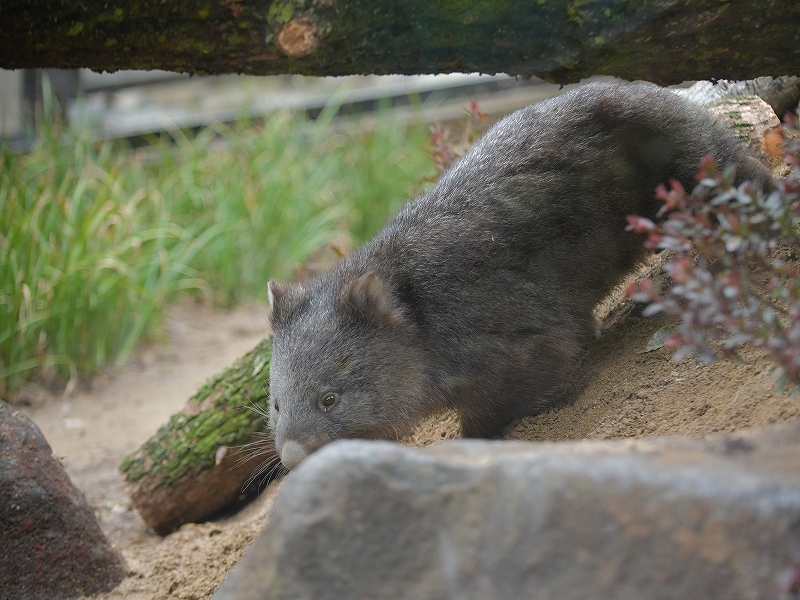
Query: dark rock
pixel 52 546
pixel 659 518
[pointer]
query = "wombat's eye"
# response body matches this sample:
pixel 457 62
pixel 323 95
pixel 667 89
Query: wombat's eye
pixel 327 401
pixel 277 409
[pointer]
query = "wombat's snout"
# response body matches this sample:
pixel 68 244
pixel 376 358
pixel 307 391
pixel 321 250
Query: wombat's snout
pixel 292 454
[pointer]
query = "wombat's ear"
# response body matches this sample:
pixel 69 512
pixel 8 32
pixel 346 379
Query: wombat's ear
pixel 274 291
pixel 281 302
pixel 371 299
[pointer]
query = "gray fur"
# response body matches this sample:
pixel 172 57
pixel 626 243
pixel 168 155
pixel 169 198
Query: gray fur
pixel 478 295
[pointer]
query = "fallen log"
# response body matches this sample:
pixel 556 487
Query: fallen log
pixel 199 461
pixel 664 41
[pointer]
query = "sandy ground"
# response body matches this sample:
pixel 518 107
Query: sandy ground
pixel 617 391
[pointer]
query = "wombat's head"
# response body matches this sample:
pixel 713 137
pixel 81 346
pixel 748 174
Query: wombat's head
pixel 346 363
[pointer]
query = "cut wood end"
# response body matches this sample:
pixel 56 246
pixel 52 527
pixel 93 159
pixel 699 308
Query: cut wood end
pixel 299 37
pixel 773 141
pixel 196 496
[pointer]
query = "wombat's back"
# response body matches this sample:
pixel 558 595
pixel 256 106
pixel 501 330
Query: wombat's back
pixel 478 295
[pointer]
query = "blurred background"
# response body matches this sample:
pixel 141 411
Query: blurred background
pixel 122 194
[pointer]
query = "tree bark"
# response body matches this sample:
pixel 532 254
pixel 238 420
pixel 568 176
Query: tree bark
pixel 664 41
pixel 192 466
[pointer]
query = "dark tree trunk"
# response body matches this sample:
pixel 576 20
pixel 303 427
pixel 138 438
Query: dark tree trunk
pixel 665 41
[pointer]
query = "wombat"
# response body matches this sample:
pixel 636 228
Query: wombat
pixel 478 295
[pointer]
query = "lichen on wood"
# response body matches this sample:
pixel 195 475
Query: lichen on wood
pixel 224 412
pixel 665 41
pixel 190 467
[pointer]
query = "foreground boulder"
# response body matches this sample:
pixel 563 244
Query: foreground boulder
pixel 658 518
pixel 51 545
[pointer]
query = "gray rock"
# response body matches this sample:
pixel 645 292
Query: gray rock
pixel 51 546
pixel 658 518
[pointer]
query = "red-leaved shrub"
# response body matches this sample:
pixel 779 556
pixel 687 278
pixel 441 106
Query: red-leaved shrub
pixel 732 257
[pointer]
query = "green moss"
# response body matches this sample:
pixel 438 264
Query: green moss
pixel 219 414
pixel 282 11
pixel 194 45
pixel 470 11
pixel 650 39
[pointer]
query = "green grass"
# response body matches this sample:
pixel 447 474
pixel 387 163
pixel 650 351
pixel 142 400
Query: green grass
pixel 96 238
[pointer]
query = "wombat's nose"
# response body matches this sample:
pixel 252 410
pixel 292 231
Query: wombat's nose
pixel 292 454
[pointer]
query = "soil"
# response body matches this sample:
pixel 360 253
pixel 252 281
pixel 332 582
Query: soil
pixel 618 391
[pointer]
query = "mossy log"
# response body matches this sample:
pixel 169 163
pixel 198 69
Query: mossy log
pixel 664 41
pixel 193 465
